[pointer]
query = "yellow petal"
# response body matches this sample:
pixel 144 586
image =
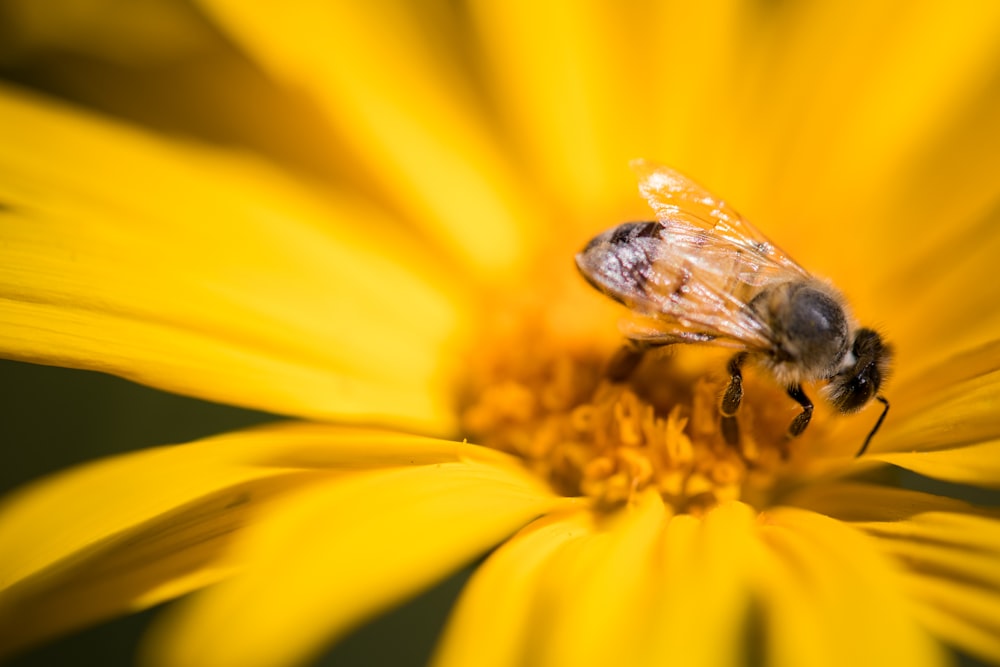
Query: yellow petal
pixel 963 412
pixel 334 555
pixel 211 275
pixel 808 101
pixel 120 535
pixel 791 632
pixel 131 531
pixel 86 501
pixel 858 501
pixel 569 91
pixel 307 445
pixel 951 316
pixel 398 96
pixel 952 563
pixel 163 557
pixel 830 598
pixel 704 593
pixel 141 34
pixel 879 85
pixel 945 368
pixel 594 600
pixel 951 177
pixel 978 465
pixel 940 401
pixel 975 530
pixel 496 613
pixel 967 616
pixel 51 520
pixel 705 65
pixel 953 579
pixel 952 47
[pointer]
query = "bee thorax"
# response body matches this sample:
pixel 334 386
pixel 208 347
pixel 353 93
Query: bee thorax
pixel 810 331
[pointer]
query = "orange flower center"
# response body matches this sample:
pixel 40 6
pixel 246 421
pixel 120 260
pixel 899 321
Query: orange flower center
pixel 588 436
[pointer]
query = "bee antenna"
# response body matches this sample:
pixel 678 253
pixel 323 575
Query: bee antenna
pixel 878 424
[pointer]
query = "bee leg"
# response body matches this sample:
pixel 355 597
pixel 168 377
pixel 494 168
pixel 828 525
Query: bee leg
pixel 732 398
pixel 801 420
pixel 626 359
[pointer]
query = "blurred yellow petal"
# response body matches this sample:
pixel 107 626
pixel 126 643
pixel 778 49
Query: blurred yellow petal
pixel 791 632
pixel 935 394
pixel 964 615
pixel 85 500
pixel 136 34
pixel 976 533
pixel 121 534
pixel 978 465
pixel 947 415
pixel 404 108
pixel 944 369
pixel 831 583
pixel 177 278
pixel 705 576
pixel 498 610
pixel 173 553
pixel 858 501
pixel 950 316
pixel 954 581
pixel 700 67
pixel 839 93
pixel 812 104
pixel 956 564
pixel 594 599
pixel 60 516
pixel 333 556
pixel 184 506
pixel 951 176
pixel 568 90
pixel 952 46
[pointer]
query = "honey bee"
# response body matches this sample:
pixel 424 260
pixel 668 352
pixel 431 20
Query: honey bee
pixel 700 273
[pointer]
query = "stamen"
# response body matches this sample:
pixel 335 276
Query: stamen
pixel 589 436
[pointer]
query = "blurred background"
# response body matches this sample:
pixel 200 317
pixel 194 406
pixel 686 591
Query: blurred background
pixel 162 65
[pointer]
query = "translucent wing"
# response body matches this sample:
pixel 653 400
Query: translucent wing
pixel 673 196
pixel 690 276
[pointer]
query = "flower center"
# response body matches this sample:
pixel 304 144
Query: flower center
pixel 589 436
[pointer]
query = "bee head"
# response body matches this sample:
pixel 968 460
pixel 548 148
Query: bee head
pixel 856 384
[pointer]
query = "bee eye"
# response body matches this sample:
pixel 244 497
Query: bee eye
pixel 866 343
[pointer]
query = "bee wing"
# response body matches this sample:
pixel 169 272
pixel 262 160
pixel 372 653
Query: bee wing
pixel 690 276
pixel 650 329
pixel 673 195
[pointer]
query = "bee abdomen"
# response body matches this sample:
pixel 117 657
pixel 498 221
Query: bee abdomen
pixel 619 262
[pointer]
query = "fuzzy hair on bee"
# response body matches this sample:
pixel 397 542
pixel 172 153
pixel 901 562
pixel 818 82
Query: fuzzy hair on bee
pixel 701 274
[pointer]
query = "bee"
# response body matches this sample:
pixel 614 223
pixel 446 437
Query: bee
pixel 702 274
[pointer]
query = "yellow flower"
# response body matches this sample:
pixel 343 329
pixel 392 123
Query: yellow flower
pixel 424 320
